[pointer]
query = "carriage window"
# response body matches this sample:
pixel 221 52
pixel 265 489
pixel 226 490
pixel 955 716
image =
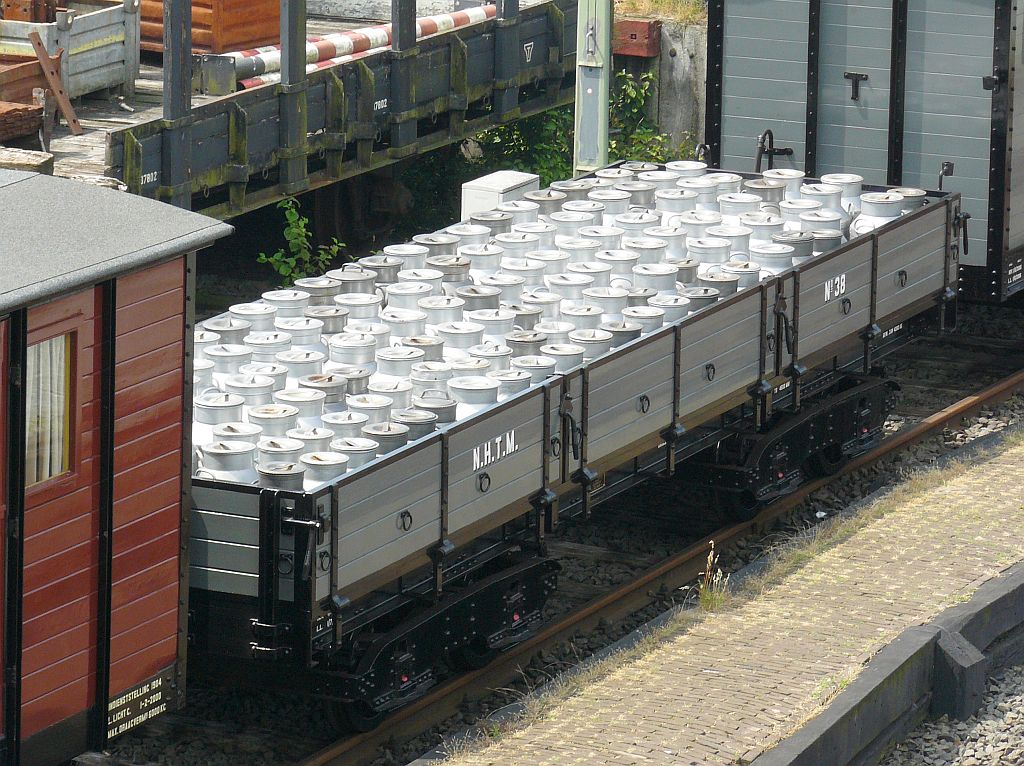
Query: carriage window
pixel 48 409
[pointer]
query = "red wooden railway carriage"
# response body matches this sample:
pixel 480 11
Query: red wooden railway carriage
pixel 94 370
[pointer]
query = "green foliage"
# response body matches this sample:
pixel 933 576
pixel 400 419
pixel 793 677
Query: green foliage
pixel 299 259
pixel 632 134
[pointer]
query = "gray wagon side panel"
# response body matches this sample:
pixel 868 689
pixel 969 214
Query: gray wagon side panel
pixel 388 516
pixel 615 386
pixel 911 261
pixel 506 444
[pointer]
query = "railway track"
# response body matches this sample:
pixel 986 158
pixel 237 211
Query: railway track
pixel 676 571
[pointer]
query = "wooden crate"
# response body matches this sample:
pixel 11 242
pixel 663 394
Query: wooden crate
pixel 636 37
pixel 18 76
pixel 218 26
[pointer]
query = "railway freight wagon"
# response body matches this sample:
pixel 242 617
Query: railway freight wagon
pixel 366 588
pixel 898 91
pixel 92 314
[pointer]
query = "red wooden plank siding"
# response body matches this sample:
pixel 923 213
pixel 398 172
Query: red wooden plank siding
pixel 61 546
pixel 147 473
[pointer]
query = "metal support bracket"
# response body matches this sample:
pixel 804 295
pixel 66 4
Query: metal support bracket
pixel 672 436
pixel 855 78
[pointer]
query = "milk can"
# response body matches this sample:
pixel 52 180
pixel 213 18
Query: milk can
pixel 763 226
pixel 620 261
pixel 538 367
pixel 568 223
pixel 275 420
pixel 582 315
pixel 634 222
pixel 877 209
pixel 648 318
pixel 442 243
pixel 525 342
pixel 321 290
pixel 701 297
pixel 398 390
pixel 566 355
pixel 716 277
pixel 479 297
pixel 470 234
pixel 521 210
pixel 527 316
pixel 358 449
pixel 661 179
pixel 412 255
pixel 389 436
pixel 728 183
pixel 543 231
pixel 641 193
pixel 213 408
pixel 707 250
pixel 615 201
pixel 555 331
pixel 404 322
pixel 454 268
pixel 601 273
pixel 802 243
pixel 793 179
pixel 406 295
pixel 230 329
pixel 650 249
pixel 686 270
pixel 594 342
pixel 609 237
pixel 697 223
pixel 289 303
pixel 510 382
pixel 616 174
pixel 706 190
pixel 202 339
pixel 322 467
pixel 431 346
pixel 735 204
pixel 317 439
pixel 674 238
pixel 826 240
pixel 345 424
pixel 638 166
pixel 831 198
pixel 548 200
pixel 386 266
pixel 555 261
pixel 259 315
pixel 237 431
pixel 254 389
pixel 426 276
pixel 792 208
pixel 674 306
pixel 227 359
pixel 569 286
pixel 437 401
pixel 357 376
pixel 361 306
pixel 638 296
pixel 264 346
pixel 814 220
pixel 851 184
pixel 610 300
pixel 334 319
pixel 622 332
pixel 379 331
pixel 426 375
pixel 497 221
pixel 773 258
pixel 532 272
pixel 352 348
pixel 574 188
pixel 419 422
pixel 548 302
pixel 278 449
pixel 202 372
pixel 748 272
pixel 282 475
pixel 912 198
pixel 308 401
pixel 511 286
pixel 459 335
pixel 228 461
pixel 496 322
pixel 276 372
pixel 376 407
pixel 580 250
pixel 333 384
pixel 770 192
pixel 306 333
pixel 738 236
pixel 473 393
pixel 397 361
pixel 660 277
pixel 687 168
pixel 592 207
pixel 497 354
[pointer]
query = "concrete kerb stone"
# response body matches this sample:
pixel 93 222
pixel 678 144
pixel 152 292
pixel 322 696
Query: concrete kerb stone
pixel 932 669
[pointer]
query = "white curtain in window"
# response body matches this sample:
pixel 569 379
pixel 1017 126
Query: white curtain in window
pixel 46 410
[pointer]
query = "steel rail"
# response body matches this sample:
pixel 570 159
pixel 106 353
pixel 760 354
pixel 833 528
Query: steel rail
pixel 674 572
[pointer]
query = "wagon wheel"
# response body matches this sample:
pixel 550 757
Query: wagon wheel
pixel 474 654
pixel 352 716
pixel 826 462
pixel 741 506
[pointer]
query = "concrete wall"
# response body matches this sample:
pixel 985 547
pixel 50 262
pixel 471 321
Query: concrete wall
pixel 679 98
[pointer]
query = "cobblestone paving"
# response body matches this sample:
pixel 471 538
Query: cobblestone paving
pixel 738 682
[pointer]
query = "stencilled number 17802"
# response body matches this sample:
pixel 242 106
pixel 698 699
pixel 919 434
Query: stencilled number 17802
pixel 835 287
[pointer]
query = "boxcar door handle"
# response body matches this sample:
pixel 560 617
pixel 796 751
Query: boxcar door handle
pixel 709 371
pixel 847 306
pixel 483 482
pixel 855 78
pixel 644 404
pixel 902 276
